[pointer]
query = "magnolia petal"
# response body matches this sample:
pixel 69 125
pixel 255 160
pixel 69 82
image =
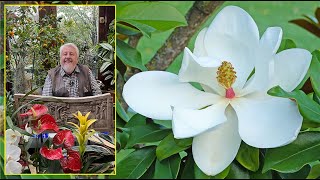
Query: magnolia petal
pixel 199 49
pixel 152 93
pixel 267 122
pixel 233 36
pixel 188 122
pixel 271 40
pixel 191 71
pixel 51 154
pixel 214 150
pixel 13 167
pixel 269 44
pixel 290 67
pixel 13 152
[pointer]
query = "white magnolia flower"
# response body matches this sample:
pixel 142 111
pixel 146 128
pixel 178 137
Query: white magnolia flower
pixel 12 137
pixel 13 167
pixel 231 108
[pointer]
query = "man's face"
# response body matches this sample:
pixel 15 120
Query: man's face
pixel 68 59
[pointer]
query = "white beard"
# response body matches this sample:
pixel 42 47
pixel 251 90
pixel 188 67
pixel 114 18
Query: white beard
pixel 68 68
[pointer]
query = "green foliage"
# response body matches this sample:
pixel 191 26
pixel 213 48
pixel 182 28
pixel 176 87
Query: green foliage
pixel 151 19
pixel 314 72
pixel 248 157
pixel 135 164
pixel 292 157
pixel 129 56
pixel 170 146
pixel 168 168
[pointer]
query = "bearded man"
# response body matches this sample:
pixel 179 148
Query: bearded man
pixel 70 79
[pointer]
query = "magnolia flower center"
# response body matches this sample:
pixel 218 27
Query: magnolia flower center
pixel 226 76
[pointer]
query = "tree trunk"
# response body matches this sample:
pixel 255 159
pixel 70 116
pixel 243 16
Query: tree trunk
pixel 19 79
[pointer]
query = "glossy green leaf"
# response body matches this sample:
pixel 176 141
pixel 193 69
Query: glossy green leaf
pixel 123 153
pixel 316 98
pixel 237 172
pixel 188 170
pixel 308 108
pixel 301 174
pixel 315 72
pixel 150 172
pixel 135 164
pixel 127 30
pixel 248 157
pixel 170 146
pixel 315 170
pixel 145 134
pixel 286 44
pixel 122 139
pixel 149 17
pixel 129 56
pixel 167 168
pixel 136 120
pixel 292 157
pixel 121 112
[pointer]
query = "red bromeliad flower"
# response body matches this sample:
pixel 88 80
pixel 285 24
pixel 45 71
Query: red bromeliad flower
pixel 46 122
pixel 71 163
pixel 64 137
pixel 52 154
pixel 36 111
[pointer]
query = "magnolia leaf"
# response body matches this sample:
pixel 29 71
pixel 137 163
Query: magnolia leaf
pixel 136 120
pixel 315 170
pixel 248 157
pixel 237 172
pixel 170 146
pixel 129 56
pixel 123 153
pixel 286 44
pixel 168 168
pixel 292 157
pixel 145 134
pixel 122 138
pixel 188 169
pixel 308 108
pixel 121 112
pixel 145 17
pixel 126 29
pixel 301 174
pixel 314 72
pixel 135 164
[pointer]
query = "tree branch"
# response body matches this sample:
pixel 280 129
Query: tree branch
pixel 197 15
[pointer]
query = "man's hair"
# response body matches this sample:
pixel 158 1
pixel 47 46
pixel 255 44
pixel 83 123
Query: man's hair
pixel 72 45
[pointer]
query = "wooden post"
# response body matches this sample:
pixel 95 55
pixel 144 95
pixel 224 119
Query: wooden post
pixel 106 15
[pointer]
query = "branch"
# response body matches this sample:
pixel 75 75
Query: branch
pixel 197 15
